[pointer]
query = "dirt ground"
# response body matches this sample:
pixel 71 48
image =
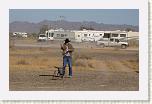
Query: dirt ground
pixel 94 68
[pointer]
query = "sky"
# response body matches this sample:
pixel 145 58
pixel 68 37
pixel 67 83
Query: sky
pixel 106 16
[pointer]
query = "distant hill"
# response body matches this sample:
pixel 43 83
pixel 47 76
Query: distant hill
pixel 19 26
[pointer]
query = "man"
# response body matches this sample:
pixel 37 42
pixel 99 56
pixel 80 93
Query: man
pixel 67 56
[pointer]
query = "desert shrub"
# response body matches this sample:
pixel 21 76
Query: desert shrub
pixel 43 49
pixel 75 58
pixel 45 59
pixel 133 43
pixel 22 62
pixel 85 56
pixel 36 56
pixel 81 63
pixel 90 65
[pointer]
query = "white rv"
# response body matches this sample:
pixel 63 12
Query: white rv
pixel 23 34
pixel 60 34
pixel 88 35
pixel 85 35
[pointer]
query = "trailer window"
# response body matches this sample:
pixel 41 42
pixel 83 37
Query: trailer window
pixel 78 35
pixel 52 34
pixel 62 35
pixel 58 35
pixel 114 35
pixel 106 35
pixel 117 40
pixel 85 35
pixel 65 35
pixel 122 35
pixel 111 40
pixel 100 34
pixel 42 35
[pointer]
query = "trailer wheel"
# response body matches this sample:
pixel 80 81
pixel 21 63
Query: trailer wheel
pixel 123 46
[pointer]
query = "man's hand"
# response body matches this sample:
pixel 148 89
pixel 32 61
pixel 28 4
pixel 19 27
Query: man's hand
pixel 61 46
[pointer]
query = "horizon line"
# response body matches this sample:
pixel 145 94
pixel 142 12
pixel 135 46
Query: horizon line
pixel 70 21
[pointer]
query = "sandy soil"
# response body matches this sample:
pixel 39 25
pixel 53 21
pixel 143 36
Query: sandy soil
pixel 95 69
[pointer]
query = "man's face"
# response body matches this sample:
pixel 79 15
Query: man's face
pixel 66 42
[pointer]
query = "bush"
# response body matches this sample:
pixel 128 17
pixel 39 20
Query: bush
pixel 81 63
pixel 84 56
pixel 133 43
pixel 43 49
pixel 90 65
pixel 22 62
pixel 74 58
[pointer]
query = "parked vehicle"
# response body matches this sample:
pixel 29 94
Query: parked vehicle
pixel 21 34
pixel 113 42
pixel 42 37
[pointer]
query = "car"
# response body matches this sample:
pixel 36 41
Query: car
pixel 113 42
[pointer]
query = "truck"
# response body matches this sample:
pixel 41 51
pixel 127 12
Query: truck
pixel 42 37
pixel 113 42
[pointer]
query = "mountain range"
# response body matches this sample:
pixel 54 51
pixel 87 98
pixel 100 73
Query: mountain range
pixel 29 27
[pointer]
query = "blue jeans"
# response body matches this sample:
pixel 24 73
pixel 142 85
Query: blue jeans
pixel 67 60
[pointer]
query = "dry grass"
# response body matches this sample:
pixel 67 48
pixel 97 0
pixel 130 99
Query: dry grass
pixel 33 59
pixel 133 43
pixel 43 49
pixel 22 62
pixel 111 65
pixel 36 58
pixel 85 59
pixel 132 64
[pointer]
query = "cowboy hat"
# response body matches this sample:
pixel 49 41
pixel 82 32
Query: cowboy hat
pixel 67 40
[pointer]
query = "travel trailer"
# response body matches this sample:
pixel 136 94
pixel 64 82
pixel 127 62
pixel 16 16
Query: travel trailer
pixel 74 35
pixel 86 35
pixel 60 34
